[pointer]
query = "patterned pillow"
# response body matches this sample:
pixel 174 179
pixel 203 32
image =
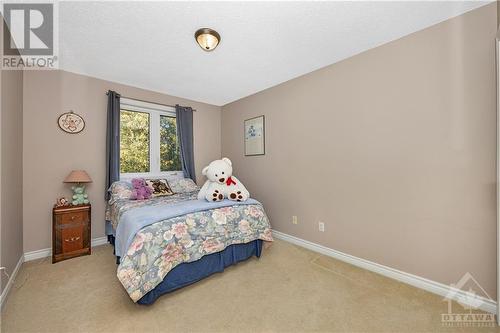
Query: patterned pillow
pixel 159 187
pixel 183 185
pixel 120 190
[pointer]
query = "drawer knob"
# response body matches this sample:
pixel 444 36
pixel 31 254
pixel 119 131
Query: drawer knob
pixel 72 218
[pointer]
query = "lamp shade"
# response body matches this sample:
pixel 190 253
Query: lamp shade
pixel 78 176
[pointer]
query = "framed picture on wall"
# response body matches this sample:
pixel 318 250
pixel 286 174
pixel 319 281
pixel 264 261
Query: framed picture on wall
pixel 71 122
pixel 255 142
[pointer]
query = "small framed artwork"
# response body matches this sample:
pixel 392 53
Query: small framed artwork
pixel 255 141
pixel 71 122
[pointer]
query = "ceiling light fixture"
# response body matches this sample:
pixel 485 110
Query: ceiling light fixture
pixel 207 38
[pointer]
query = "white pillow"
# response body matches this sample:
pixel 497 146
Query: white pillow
pixel 183 185
pixel 120 190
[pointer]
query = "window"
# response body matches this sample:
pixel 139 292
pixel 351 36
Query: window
pixel 134 142
pixel 169 149
pixel 148 138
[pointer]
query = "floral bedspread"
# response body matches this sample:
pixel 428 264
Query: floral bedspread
pixel 115 210
pixel 159 247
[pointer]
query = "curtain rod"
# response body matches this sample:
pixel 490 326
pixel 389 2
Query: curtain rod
pixel 141 100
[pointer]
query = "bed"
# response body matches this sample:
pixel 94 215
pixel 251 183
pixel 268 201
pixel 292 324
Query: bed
pixel 168 242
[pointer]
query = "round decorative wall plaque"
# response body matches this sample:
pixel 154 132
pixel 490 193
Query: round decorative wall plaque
pixel 71 122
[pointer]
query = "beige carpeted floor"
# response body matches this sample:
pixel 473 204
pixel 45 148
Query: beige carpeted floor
pixel 288 289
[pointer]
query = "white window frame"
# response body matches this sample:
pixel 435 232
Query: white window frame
pixel 155 111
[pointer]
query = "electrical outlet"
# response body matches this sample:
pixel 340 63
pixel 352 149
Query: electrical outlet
pixel 294 220
pixel 321 226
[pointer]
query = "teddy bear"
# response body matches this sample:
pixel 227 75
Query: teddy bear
pixel 140 190
pixel 221 183
pixel 79 195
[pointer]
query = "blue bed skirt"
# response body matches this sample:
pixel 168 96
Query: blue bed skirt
pixel 188 273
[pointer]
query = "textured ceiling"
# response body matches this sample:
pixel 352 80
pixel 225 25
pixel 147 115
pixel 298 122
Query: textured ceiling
pixel 151 44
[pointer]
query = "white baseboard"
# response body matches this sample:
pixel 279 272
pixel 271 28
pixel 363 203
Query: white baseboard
pixel 99 241
pixel 43 253
pixel 413 280
pixel 38 254
pixel 12 277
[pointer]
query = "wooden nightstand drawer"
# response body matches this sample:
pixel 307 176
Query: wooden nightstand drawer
pixel 70 232
pixel 73 218
pixel 72 239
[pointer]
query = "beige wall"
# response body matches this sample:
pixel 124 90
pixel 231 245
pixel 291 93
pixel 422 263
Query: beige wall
pixel 3 279
pixel 50 154
pixel 393 149
pixel 11 170
pixel 11 129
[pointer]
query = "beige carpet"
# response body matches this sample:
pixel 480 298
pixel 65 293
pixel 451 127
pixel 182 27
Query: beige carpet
pixel 288 289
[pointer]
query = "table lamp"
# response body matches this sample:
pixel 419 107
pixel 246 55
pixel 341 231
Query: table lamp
pixel 78 177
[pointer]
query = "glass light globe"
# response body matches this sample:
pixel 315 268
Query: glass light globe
pixel 208 39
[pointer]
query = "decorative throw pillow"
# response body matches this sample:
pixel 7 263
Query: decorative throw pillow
pixel 120 190
pixel 183 185
pixel 159 187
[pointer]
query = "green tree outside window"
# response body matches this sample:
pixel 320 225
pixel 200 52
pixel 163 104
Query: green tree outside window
pixel 135 143
pixel 169 148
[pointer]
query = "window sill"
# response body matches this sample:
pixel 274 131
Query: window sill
pixel 151 175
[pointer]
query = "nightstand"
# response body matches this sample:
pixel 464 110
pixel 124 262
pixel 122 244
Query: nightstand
pixel 70 232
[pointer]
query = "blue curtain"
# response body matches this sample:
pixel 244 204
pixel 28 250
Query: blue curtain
pixel 184 116
pixel 112 141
